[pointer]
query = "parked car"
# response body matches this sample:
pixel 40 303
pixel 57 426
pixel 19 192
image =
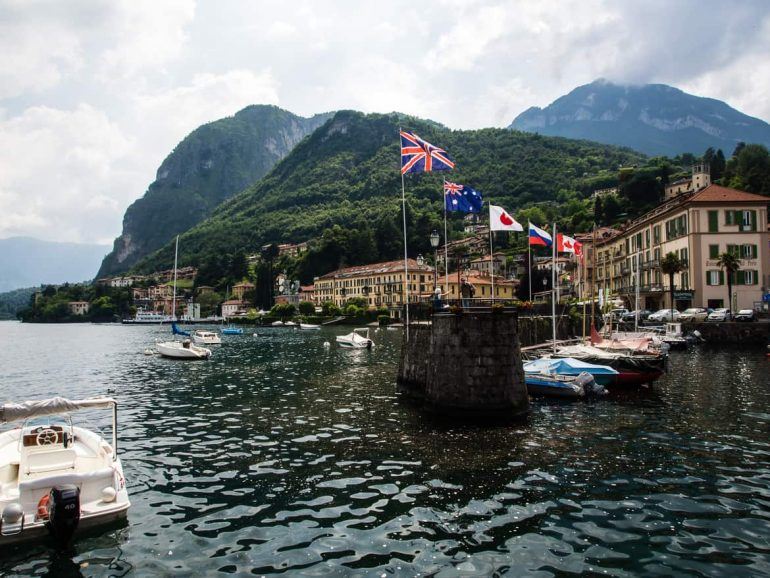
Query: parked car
pixel 720 314
pixel 745 315
pixel 694 314
pixel 663 315
pixel 631 315
pixel 615 315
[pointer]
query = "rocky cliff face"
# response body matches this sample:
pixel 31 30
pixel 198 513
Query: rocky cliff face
pixel 210 165
pixel 655 119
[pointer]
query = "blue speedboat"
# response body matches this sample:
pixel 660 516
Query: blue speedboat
pixel 602 374
pixel 553 385
pixel 232 330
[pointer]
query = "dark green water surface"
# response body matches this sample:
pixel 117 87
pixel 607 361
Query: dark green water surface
pixel 282 456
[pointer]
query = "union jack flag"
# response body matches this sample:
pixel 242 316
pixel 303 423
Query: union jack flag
pixel 419 156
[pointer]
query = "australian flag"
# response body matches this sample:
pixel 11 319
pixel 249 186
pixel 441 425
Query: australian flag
pixel 418 156
pixel 461 198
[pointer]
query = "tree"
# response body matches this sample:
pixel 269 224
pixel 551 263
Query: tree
pixel 670 265
pixel 306 308
pixel 730 263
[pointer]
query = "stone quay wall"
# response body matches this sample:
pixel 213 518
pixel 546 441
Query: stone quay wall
pixel 467 364
pixel 749 334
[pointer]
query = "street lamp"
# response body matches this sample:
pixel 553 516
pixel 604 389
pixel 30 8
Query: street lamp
pixel 434 239
pixel 545 283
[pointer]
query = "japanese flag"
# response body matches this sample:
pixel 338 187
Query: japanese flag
pixel 500 220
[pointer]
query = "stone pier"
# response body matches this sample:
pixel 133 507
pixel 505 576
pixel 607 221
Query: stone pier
pixel 466 364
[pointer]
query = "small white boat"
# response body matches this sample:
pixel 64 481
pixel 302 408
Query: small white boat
pixel 202 337
pixel 182 350
pixel 278 323
pixel 290 323
pixel 357 339
pixel 55 477
pixel 309 327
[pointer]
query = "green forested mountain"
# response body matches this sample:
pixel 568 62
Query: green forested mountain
pixel 214 162
pixel 346 174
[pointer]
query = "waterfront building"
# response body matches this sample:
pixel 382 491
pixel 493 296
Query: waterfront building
pixel 698 226
pixel 306 293
pixel 78 307
pixel 379 284
pixel 482 264
pixel 234 308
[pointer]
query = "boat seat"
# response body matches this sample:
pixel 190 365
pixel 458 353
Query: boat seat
pixel 48 461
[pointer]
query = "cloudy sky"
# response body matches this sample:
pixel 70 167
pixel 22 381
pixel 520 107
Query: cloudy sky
pixel 95 93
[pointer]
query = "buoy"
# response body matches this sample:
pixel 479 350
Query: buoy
pixel 42 508
pixel 327 344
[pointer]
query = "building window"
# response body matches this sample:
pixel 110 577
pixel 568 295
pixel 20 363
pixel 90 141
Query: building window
pixel 713 221
pixel 713 251
pixel 748 221
pixel 685 280
pixel 747 277
pixel 656 234
pixel 748 251
pixel 734 250
pixel 715 277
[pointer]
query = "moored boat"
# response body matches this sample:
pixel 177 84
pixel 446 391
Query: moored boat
pixel 633 369
pixel 55 477
pixel 202 337
pixel 602 374
pixel 309 327
pixel 182 350
pixel 357 339
pixel 232 330
pixel 554 385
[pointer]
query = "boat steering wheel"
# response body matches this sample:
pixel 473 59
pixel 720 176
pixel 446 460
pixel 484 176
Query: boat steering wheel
pixel 47 437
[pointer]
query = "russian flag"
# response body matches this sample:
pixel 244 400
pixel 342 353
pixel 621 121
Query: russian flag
pixel 539 237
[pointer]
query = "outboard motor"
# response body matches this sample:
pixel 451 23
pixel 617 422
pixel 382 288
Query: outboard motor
pixel 63 512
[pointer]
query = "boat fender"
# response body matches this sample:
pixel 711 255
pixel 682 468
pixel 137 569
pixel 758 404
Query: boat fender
pixel 42 508
pixel 63 512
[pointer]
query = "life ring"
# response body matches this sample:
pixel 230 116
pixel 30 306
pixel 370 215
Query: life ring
pixel 42 508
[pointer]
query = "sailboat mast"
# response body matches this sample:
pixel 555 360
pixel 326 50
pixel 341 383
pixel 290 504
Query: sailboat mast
pixel 173 298
pixel 553 287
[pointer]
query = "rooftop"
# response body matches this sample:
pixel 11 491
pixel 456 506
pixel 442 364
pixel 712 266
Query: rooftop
pixel 378 269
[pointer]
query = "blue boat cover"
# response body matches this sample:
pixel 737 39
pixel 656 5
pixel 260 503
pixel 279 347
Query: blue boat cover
pixel 566 366
pixel 176 331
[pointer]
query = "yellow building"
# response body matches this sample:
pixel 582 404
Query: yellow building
pixel 380 284
pixel 504 289
pixel 697 226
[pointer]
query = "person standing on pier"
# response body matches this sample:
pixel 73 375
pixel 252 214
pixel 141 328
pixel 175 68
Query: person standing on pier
pixel 467 290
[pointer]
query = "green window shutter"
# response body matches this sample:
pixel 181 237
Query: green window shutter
pixel 754 252
pixel 728 217
pixel 755 279
pixel 721 277
pixel 713 221
pixel 740 278
pixel 713 251
pixel 753 220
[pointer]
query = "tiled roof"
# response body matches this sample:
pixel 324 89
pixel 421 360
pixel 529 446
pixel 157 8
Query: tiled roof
pixel 714 193
pixel 378 268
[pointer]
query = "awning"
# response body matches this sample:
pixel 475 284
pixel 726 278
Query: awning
pixel 56 405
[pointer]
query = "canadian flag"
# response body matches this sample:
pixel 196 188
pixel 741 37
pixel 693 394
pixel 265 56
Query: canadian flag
pixel 500 220
pixel 566 244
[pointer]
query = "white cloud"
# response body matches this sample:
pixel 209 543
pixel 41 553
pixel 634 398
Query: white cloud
pixel 61 173
pixel 95 93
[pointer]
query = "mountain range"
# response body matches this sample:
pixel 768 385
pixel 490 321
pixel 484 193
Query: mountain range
pixel 655 119
pixel 211 164
pixel 346 173
pixel 27 262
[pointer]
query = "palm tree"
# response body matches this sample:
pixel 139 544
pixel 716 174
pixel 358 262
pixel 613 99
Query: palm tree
pixel 670 265
pixel 730 263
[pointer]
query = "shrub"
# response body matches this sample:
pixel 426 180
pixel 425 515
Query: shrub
pixel 306 308
pixel 383 319
pixel 353 311
pixel 329 309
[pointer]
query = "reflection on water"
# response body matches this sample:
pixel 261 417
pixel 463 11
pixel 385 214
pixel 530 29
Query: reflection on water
pixel 282 455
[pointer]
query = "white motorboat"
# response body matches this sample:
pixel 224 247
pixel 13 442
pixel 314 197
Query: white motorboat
pixel 357 339
pixel 56 477
pixel 290 324
pixel 309 327
pixel 182 350
pixel 278 323
pixel 202 337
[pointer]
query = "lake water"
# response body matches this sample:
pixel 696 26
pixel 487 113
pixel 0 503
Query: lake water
pixel 282 456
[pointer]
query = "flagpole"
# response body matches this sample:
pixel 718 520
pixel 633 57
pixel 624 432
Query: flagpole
pixel 446 250
pixel 491 258
pixel 529 261
pixel 553 287
pixel 406 263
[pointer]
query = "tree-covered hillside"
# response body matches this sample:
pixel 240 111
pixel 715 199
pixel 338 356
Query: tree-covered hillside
pixel 214 162
pixel 347 173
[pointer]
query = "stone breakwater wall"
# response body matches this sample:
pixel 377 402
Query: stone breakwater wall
pixel 751 335
pixel 467 364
